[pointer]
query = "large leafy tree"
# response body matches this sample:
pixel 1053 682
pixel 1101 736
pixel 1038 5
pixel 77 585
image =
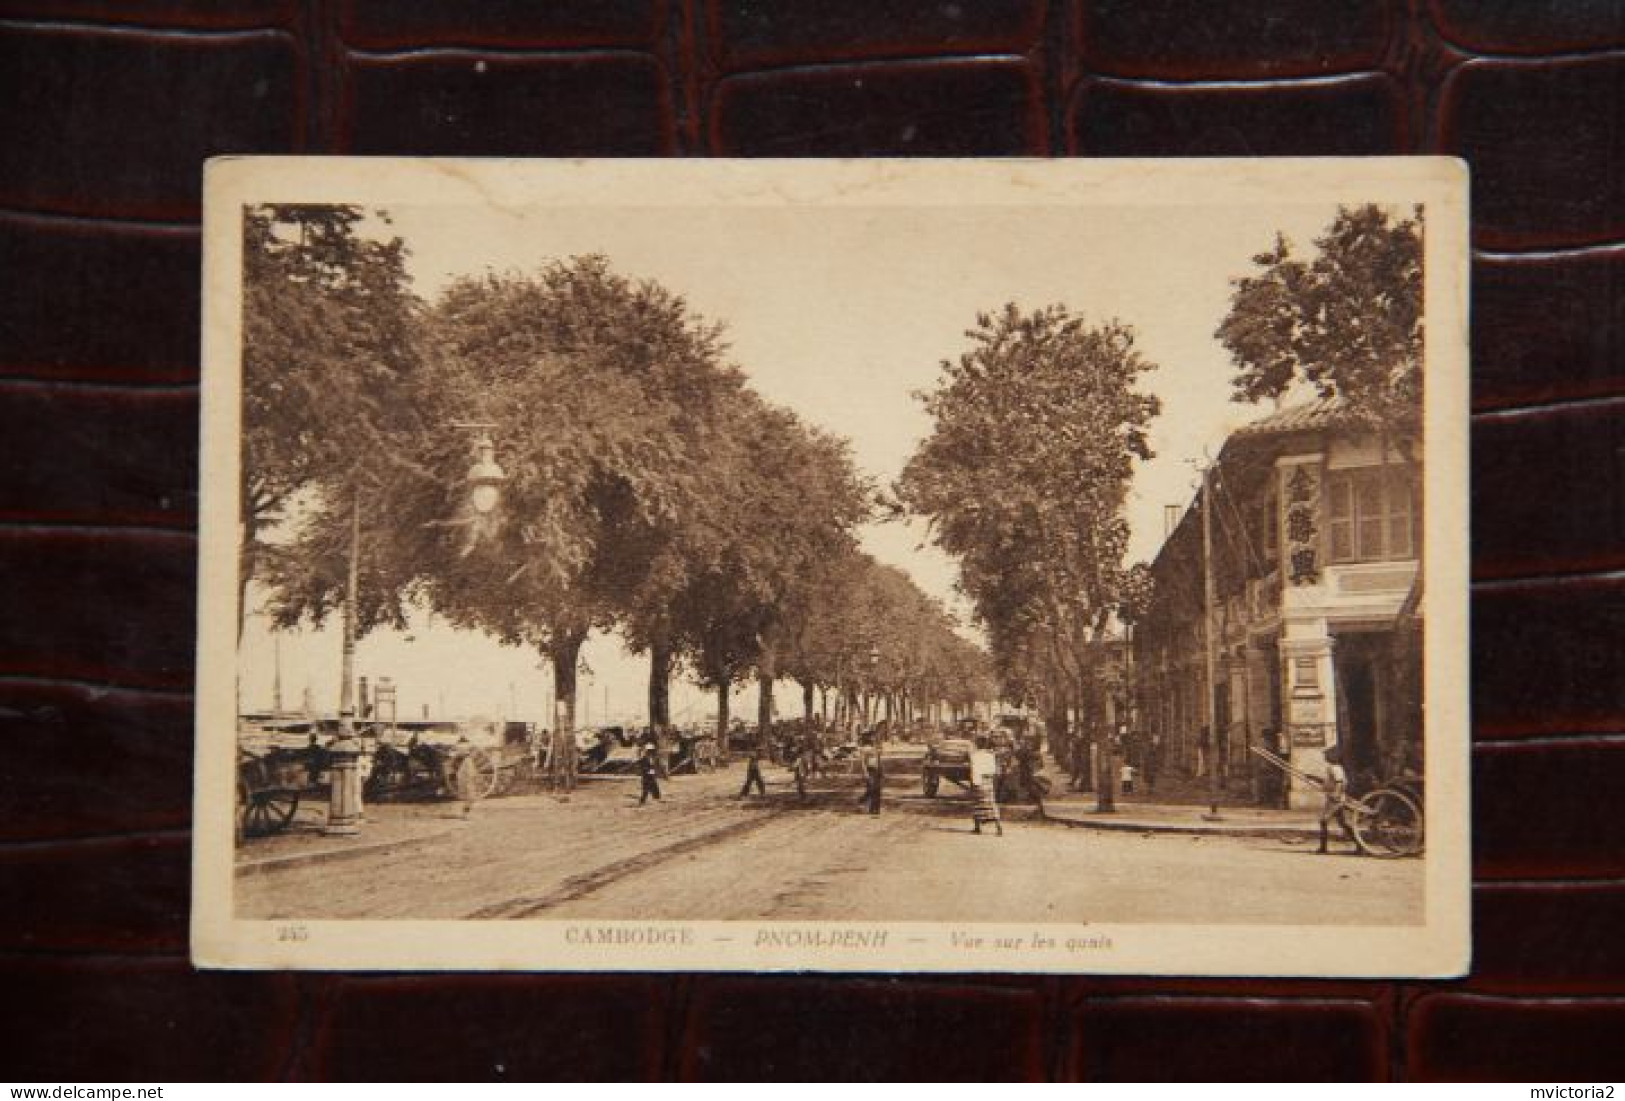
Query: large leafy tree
pixel 1024 479
pixel 796 498
pixel 600 393
pixel 329 336
pixel 1346 320
pixel 610 397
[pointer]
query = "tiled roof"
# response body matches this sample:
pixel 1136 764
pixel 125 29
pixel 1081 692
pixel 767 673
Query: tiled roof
pixel 1319 413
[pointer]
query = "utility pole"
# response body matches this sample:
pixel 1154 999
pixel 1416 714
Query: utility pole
pixel 1211 710
pixel 276 683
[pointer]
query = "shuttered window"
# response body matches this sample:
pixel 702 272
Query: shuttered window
pixel 1372 514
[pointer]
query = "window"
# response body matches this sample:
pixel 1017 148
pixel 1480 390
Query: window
pixel 1373 514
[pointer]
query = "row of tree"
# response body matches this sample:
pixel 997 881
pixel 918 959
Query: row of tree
pixel 1038 425
pixel 647 489
pixel 1024 479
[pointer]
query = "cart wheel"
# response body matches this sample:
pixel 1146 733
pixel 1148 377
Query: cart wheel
pixel 269 811
pixel 476 776
pixel 931 783
pixel 1388 824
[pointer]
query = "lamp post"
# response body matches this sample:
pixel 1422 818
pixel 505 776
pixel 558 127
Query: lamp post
pixel 344 777
pixel 485 480
pixel 1210 647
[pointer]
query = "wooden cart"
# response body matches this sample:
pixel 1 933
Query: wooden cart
pixel 424 770
pixel 271 784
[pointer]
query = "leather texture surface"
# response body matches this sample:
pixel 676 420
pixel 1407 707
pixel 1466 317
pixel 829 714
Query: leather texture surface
pixel 107 110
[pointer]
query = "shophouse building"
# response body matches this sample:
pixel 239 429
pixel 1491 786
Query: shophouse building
pixel 1316 532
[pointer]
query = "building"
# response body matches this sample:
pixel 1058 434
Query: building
pixel 1316 534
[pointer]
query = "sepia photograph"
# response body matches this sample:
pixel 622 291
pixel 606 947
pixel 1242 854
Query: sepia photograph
pixel 930 566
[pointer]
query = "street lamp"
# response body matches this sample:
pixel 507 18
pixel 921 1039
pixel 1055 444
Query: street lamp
pixel 344 775
pixel 485 480
pixel 485 477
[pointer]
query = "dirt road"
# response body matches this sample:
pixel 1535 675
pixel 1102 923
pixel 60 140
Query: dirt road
pixel 703 854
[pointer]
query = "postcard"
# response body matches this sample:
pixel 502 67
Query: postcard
pixel 930 565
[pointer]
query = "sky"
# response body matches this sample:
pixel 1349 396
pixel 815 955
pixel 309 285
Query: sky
pixel 843 314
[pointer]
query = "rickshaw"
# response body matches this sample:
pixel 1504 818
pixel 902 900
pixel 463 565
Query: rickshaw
pixel 1386 821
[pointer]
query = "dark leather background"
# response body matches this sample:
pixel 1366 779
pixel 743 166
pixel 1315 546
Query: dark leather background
pixel 107 110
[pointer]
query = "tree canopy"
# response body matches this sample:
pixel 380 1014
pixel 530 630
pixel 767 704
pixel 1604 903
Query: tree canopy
pixel 647 488
pixel 1024 479
pixel 869 626
pixel 1346 320
pixel 329 336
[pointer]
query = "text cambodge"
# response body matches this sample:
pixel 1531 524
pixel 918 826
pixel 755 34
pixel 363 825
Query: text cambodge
pixel 622 935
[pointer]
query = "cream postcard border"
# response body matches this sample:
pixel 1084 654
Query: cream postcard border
pixel 1437 948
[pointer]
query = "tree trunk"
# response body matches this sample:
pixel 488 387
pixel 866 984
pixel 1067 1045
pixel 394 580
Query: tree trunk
pixel 764 709
pixel 807 701
pixel 565 653
pixel 724 735
pixel 1106 796
pixel 1084 732
pixel 660 663
pixel 1055 731
pixel 245 570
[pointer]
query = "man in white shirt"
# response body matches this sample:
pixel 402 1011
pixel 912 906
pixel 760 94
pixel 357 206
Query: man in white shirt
pixel 1334 785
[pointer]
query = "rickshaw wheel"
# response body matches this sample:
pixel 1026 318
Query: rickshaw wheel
pixel 269 811
pixel 1388 824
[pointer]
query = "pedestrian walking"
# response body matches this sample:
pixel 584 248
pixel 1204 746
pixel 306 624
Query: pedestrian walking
pixel 874 777
pixel 1334 784
pixel 803 765
pixel 984 776
pixel 753 772
pixel 649 769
